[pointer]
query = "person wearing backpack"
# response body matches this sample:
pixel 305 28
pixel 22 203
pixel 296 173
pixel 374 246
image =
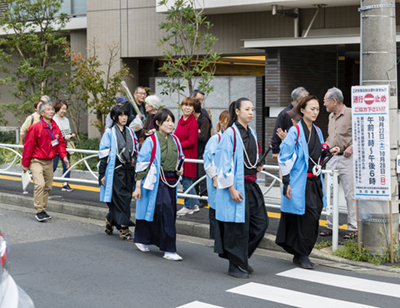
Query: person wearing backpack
pixel 301 154
pixel 240 211
pixel 118 153
pixel 159 169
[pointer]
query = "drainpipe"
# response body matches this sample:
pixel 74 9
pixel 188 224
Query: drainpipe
pixel 296 23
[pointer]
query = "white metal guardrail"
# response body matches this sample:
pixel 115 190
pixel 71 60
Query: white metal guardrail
pixel 332 182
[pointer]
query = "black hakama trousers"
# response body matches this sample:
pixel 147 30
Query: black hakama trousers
pixel 162 230
pixel 297 234
pixel 120 206
pixel 213 222
pixel 237 241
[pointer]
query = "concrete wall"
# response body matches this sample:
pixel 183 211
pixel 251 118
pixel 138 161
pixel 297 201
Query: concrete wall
pixel 227 90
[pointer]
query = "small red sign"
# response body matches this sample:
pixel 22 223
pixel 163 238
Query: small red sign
pixel 369 99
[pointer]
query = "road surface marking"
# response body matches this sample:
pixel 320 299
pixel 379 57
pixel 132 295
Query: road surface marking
pixel 291 298
pixel 346 282
pixel 197 304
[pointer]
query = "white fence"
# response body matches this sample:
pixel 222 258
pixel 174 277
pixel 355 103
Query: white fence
pixel 332 177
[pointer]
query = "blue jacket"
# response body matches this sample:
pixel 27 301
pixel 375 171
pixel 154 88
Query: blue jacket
pixel 293 159
pixel 210 167
pixel 149 188
pixel 108 147
pixel 230 171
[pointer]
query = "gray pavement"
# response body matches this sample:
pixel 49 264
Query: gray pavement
pixel 190 225
pixel 69 262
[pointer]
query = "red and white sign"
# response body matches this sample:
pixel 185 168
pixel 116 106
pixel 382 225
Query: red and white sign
pixel 369 99
pixel 371 144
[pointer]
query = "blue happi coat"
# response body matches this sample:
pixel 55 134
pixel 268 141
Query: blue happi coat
pixel 293 159
pixel 108 147
pixel 149 187
pixel 210 167
pixel 230 171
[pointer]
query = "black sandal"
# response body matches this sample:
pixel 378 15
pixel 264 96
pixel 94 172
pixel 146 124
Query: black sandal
pixel 109 228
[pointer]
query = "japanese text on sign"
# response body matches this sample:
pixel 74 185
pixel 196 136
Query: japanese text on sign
pixel 371 144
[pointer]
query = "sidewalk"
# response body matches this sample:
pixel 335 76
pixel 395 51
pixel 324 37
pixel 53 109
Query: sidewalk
pixel 192 225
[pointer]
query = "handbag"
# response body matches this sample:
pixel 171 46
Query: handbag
pixel 70 145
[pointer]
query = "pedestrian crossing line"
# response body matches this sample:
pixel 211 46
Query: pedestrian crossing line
pixel 291 298
pixel 349 283
pixel 197 304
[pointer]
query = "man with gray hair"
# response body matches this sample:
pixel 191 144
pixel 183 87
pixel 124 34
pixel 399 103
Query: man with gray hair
pixel 42 143
pixel 283 121
pixel 32 119
pixel 340 134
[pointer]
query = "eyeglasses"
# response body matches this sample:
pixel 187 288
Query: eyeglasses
pixel 141 93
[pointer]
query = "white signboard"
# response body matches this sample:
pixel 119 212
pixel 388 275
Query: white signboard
pixel 371 142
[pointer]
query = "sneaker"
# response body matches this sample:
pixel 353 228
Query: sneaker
pixel 173 256
pixel 183 211
pixel 66 187
pixel 46 216
pixel 196 209
pixel 40 217
pixel 142 247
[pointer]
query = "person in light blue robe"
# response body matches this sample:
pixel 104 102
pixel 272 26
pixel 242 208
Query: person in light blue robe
pixel 118 153
pixel 156 194
pixel 211 169
pixel 300 159
pixel 240 211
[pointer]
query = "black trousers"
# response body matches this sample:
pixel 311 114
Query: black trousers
pixel 120 206
pixel 297 234
pixel 238 241
pixel 162 230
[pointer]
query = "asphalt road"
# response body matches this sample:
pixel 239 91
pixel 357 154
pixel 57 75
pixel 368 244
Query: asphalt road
pixel 70 262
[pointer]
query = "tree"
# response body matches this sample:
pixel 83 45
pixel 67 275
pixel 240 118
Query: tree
pixel 31 55
pixel 188 52
pixel 94 78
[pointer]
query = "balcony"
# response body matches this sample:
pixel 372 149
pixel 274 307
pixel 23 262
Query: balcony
pixel 242 6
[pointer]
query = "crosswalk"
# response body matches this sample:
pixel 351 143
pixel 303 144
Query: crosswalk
pixel 273 294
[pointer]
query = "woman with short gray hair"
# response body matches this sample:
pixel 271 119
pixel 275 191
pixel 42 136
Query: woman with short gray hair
pixel 153 104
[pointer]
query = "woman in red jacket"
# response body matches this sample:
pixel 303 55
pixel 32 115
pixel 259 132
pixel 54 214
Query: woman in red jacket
pixel 188 132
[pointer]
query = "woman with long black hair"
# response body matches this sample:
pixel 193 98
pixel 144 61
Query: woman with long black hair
pixel 300 157
pixel 240 211
pixel 118 153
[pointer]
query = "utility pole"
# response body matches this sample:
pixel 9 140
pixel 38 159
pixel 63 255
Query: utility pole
pixel 378 67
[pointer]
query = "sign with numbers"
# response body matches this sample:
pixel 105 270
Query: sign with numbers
pixel 371 142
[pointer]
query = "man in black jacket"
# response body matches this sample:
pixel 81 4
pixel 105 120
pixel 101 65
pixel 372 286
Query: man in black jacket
pixel 284 121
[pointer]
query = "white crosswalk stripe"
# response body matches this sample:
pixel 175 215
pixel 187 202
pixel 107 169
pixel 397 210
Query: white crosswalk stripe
pixel 292 298
pixel 197 304
pixel 304 300
pixel 349 283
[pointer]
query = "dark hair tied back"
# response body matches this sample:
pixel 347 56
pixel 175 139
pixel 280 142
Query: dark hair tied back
pixel 232 110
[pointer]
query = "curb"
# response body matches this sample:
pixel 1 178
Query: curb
pixel 182 227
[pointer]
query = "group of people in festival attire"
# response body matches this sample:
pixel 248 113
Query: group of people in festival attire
pixel 148 158
pixel 238 221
